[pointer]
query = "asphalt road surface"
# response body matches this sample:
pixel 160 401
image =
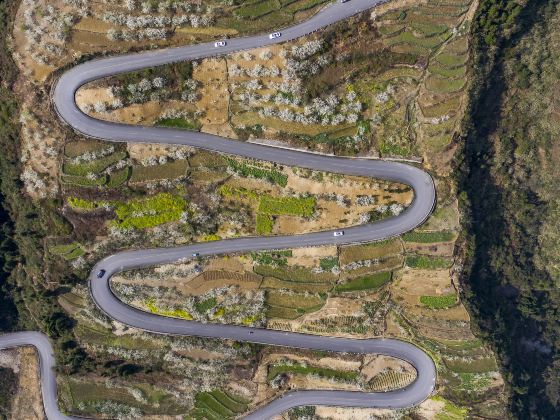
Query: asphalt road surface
pixel 414 215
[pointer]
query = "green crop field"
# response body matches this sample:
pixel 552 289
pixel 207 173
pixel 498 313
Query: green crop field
pixel 178 123
pixel 369 251
pixel 292 206
pixel 170 170
pixel 82 181
pixel 439 302
pixel 328 263
pixel 264 224
pixel 373 281
pixel 339 375
pixel 297 286
pixel 428 237
pixel 452 60
pixel 217 404
pixel 74 149
pixel 441 108
pixel 95 166
pixel 295 274
pixel 69 251
pixel 444 85
pixel 429 263
pixel 271 175
pixel 149 212
pixel 118 178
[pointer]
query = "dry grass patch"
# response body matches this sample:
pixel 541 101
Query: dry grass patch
pixel 28 402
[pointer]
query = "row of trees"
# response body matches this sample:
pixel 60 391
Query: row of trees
pixel 512 295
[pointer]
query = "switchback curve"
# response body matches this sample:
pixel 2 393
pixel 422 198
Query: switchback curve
pixel 424 199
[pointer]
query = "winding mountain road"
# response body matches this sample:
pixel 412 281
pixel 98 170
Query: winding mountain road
pixel 424 199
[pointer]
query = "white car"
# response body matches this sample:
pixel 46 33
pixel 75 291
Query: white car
pixel 275 35
pixel 219 44
pixel 338 233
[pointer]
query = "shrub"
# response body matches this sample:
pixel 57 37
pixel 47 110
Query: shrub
pixel 328 263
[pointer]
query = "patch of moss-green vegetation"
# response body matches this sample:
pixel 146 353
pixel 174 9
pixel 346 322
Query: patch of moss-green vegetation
pixel 82 204
pixel 339 375
pixel 273 258
pixel 118 178
pixel 138 213
pixel 471 365
pixel 439 302
pixel 450 411
pixel 451 60
pixel 328 263
pixel 95 166
pixel 374 281
pixel 292 206
pixel 69 251
pixel 170 170
pixel 185 124
pixel 474 382
pixel 264 224
pixel 409 38
pixel 217 404
pixel 428 237
pixel 205 305
pixel 271 175
pixel 295 274
pixel 82 181
pixel 291 305
pixel 91 395
pixel 149 212
pixel 175 312
pixel 73 149
pixel 426 262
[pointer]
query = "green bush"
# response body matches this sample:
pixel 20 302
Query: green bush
pixel 430 263
pixel 205 305
pixel 373 281
pixel 328 263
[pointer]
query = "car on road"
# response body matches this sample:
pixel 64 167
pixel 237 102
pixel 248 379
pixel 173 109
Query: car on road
pixel 219 44
pixel 100 274
pixel 275 35
pixel 338 233
pixel 196 254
